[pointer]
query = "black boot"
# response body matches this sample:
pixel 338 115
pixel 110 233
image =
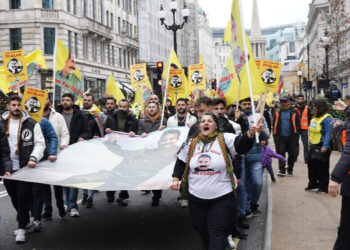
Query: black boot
pixel 242 222
pixel 239 233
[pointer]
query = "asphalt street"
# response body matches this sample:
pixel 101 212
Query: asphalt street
pixel 109 226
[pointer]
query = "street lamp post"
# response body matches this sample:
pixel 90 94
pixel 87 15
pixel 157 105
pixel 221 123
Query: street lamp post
pixel 325 39
pixel 300 73
pixel 174 27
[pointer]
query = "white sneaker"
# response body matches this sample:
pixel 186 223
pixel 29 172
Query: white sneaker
pixel 184 203
pixel 74 212
pixel 231 242
pixel 37 226
pixel 28 226
pixel 21 236
pixel 66 208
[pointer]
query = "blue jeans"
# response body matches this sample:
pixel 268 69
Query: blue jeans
pixel 254 180
pixel 71 197
pixel 242 199
pixel 89 193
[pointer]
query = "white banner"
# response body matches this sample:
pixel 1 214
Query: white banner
pixel 116 162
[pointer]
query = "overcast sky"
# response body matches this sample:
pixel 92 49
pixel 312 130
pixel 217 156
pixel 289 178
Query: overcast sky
pixel 271 12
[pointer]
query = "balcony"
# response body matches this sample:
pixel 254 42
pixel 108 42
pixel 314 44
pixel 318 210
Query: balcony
pixel 92 27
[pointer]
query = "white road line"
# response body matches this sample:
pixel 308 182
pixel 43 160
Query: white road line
pixel 79 201
pixel 3 192
pixel 3 195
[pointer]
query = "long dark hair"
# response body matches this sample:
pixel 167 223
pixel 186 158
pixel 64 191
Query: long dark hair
pixel 321 107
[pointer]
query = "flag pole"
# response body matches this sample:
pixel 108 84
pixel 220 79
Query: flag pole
pixel 248 68
pixel 54 72
pixel 166 88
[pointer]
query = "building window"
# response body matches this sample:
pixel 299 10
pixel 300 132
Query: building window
pixel 124 27
pixel 102 52
pixel 112 20
pixel 70 41
pixel 83 7
pixel 49 40
pixel 68 5
pixel 47 4
pixel 118 25
pixel 76 44
pixel 135 11
pixel 135 32
pixel 93 9
pixel 109 54
pixel 86 47
pixel 75 7
pixel 94 50
pixel 113 56
pixel 292 47
pixel 120 57
pixel 130 30
pixel 15 4
pixel 101 11
pixel 15 39
pixel 107 18
pixel 124 55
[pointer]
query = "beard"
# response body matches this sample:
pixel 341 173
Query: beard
pixel 66 107
pixel 16 113
pixel 123 113
pixel 181 111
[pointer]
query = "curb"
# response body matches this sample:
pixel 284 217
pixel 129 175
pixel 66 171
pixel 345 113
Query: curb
pixel 268 225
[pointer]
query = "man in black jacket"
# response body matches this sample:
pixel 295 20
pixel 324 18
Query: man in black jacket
pixel 341 174
pixel 5 160
pixel 78 131
pixel 122 121
pixel 27 146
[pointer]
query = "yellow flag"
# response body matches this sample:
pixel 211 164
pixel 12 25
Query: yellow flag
pixel 33 102
pixel 235 72
pixel 196 76
pixel 175 64
pixel 113 89
pixel 138 76
pixel 142 94
pixel 34 61
pixel 200 59
pixel 79 100
pixel 15 65
pixel 67 73
pixel 270 72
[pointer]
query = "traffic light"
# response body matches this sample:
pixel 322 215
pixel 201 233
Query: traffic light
pixel 213 83
pixel 159 70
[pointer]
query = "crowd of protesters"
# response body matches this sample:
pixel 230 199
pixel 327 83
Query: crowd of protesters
pixel 221 190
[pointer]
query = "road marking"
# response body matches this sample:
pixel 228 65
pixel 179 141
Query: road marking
pixel 79 201
pixel 3 192
pixel 3 195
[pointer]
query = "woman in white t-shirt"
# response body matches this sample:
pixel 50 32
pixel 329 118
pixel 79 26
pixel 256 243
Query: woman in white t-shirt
pixel 205 168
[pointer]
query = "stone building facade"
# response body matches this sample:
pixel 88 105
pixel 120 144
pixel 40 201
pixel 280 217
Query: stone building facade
pixel 102 35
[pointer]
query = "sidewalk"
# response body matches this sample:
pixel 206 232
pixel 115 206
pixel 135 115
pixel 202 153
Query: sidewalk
pixel 303 220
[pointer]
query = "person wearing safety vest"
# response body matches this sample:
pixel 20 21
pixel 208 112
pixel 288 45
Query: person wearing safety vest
pixel 304 113
pixel 286 128
pixel 320 132
pixel 341 175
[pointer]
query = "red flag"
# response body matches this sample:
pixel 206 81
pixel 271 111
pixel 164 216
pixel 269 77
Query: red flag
pixel 279 91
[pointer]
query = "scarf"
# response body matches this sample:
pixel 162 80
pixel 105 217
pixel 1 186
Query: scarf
pixel 205 140
pixel 153 118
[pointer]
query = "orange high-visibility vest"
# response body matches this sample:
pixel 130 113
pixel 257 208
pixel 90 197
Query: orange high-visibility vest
pixel 276 122
pixel 304 119
pixel 343 137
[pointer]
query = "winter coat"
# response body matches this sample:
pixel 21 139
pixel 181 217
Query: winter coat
pixel 59 124
pixel 5 160
pixel 173 120
pixel 112 123
pixel 147 126
pixel 50 136
pixel 341 171
pixel 31 142
pixel 79 125
pixel 267 153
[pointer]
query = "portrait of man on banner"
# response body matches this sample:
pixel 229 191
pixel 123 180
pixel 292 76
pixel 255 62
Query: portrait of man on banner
pixel 67 76
pixel 15 66
pixel 268 76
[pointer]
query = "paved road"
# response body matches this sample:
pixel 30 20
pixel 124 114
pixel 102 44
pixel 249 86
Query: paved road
pixel 109 226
